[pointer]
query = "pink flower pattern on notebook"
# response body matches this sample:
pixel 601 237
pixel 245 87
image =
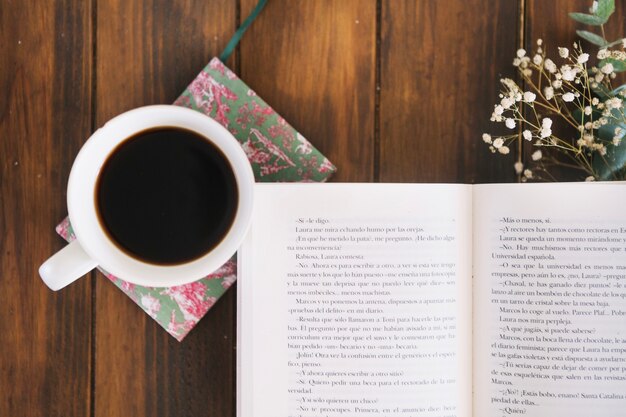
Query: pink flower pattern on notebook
pixel 277 152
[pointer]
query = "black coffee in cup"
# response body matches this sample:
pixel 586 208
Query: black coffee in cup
pixel 166 196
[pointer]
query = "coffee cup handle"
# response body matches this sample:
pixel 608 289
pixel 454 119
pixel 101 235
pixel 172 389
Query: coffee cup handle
pixel 66 266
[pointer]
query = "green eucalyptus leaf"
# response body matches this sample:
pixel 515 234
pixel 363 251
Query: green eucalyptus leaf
pixel 617 42
pixel 587 19
pixel 618 90
pixel 592 37
pixel 607 132
pixel 605 9
pixel 612 165
pixel 602 92
pixel 608 166
pixel 618 66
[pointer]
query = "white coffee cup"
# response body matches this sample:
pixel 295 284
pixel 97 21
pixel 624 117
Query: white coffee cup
pixel 93 247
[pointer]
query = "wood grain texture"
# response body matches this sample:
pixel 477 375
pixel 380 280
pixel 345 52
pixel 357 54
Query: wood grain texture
pixel 45 81
pixel 440 65
pixel 147 52
pixel 389 90
pixel 314 62
pixel 549 21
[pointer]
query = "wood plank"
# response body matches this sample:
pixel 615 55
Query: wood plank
pixel 440 66
pixel 550 22
pixel 314 62
pixel 147 52
pixel 45 79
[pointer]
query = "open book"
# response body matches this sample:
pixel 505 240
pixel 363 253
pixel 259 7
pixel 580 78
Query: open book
pixel 434 301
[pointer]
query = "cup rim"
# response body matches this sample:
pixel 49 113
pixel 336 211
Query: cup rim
pixel 81 200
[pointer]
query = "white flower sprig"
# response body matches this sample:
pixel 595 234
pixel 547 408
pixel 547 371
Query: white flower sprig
pixel 579 95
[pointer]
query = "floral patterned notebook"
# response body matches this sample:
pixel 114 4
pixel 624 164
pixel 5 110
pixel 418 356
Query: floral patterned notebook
pixel 276 151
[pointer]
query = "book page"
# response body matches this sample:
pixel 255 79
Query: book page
pixel 550 300
pixel 355 300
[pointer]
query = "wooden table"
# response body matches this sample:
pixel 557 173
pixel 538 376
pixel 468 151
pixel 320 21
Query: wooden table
pixel 389 90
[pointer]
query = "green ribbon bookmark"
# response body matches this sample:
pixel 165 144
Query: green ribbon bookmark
pixel 230 47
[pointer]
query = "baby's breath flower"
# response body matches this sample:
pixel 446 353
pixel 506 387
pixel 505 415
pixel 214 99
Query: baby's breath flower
pixel 510 84
pixel 496 116
pixel 510 123
pixel 568 97
pixel 568 73
pixel 529 96
pixel 613 103
pixel 507 102
pixel 573 82
pixel 524 62
pixel 598 77
pixel 550 66
pixel 548 92
pixel 546 122
pixel 618 55
pixel 607 68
